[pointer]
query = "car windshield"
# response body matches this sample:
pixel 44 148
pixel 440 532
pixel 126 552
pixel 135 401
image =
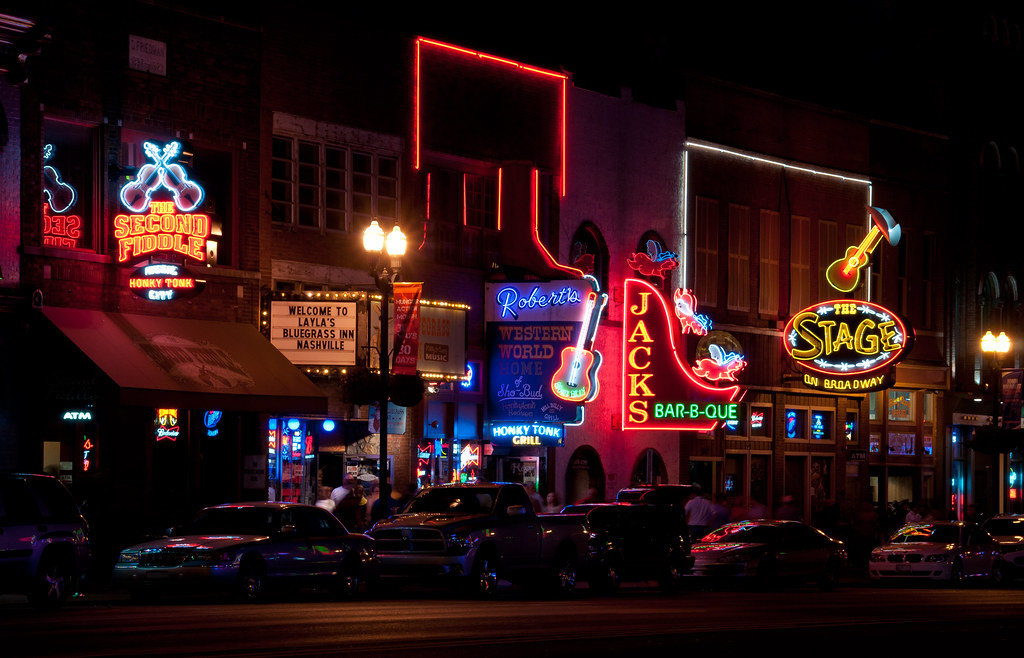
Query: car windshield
pixel 463 500
pixel 231 521
pixel 1005 527
pixel 939 534
pixel 743 533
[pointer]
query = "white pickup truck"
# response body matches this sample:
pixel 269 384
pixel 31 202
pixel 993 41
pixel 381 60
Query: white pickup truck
pixel 477 533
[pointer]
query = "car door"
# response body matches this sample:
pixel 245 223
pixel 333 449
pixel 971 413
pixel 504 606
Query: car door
pixel 20 524
pixel 802 551
pixel 978 553
pixel 517 528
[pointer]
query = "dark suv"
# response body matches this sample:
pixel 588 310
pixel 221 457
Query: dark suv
pixel 634 542
pixel 44 541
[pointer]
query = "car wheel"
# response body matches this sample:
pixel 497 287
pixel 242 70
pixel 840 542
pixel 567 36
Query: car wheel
pixel 830 577
pixel 672 578
pixel 566 574
pixel 348 580
pixel 52 583
pixel 484 579
pixel 250 581
pixel 956 574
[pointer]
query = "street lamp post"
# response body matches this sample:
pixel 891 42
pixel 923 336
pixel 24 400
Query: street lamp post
pixel 384 270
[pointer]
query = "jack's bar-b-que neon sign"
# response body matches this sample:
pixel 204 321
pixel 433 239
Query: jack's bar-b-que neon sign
pixel 847 345
pixel 659 389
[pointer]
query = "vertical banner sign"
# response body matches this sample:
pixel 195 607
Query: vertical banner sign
pixel 1011 390
pixel 407 327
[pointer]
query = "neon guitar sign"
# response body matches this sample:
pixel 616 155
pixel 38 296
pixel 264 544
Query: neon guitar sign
pixel 165 174
pixel 573 381
pixel 844 274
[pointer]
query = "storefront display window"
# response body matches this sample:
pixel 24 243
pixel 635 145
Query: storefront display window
pixel 873 403
pixel 926 444
pixel 900 406
pixel 68 186
pixel 928 407
pixel 874 442
pixel 851 426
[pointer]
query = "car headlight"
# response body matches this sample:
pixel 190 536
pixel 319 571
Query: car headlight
pixel 941 557
pixel 460 541
pixel 128 557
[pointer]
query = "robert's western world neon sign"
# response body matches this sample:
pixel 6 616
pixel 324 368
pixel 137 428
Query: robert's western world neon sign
pixel 161 225
pixel 847 345
pixel 659 389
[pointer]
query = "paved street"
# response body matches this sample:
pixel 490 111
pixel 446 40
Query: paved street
pixel 435 622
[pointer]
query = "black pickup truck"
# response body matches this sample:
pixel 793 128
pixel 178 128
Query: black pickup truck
pixel 477 533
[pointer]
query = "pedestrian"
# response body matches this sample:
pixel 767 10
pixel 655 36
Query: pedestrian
pixel 788 511
pixel 551 504
pixel 720 510
pixel 699 515
pixel 536 499
pixel 324 499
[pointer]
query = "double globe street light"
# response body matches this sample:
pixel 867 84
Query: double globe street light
pixel 995 347
pixel 384 270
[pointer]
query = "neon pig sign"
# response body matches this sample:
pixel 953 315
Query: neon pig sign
pixel 660 390
pixel 168 225
pixel 847 345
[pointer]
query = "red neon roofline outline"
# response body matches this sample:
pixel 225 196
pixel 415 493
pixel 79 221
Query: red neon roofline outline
pixel 498 60
pixel 734 391
pixel 535 220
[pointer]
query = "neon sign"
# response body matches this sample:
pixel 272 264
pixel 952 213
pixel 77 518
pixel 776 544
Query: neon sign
pixel 655 262
pixel 574 381
pixel 211 419
pixel 87 447
pixel 756 420
pixel 162 173
pixel 161 230
pixel 61 230
pixel 527 434
pixel 77 416
pixel 60 196
pixel 167 425
pixel 847 345
pixel 659 389
pixel 510 299
pixel 163 282
pixel 844 274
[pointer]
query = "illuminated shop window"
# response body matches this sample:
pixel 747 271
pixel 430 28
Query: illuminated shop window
pixel 821 425
pixel 873 405
pixel 796 424
pixel 900 405
pixel 760 419
pixel 901 443
pixel 68 176
pixel 874 442
pixel 926 445
pixel 851 426
pixel 331 187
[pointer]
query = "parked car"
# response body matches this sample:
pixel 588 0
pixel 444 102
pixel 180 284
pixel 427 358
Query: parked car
pixel 769 552
pixel 44 541
pixel 952 551
pixel 639 543
pixel 476 533
pixel 1008 530
pixel 657 494
pixel 246 548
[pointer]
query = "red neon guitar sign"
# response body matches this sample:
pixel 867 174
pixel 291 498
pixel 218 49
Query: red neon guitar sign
pixel 844 274
pixel 572 381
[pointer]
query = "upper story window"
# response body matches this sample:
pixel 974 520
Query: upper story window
pixel 480 204
pixel 329 187
pixel 69 198
pixel 589 253
pixel 768 264
pixel 705 274
pixel 799 263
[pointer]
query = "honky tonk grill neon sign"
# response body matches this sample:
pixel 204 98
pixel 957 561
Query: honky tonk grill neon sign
pixel 847 344
pixel 659 389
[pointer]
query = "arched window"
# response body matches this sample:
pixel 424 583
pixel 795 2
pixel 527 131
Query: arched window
pixel 649 468
pixel 584 476
pixel 589 252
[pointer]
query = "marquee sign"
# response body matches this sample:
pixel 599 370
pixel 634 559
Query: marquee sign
pixel 163 282
pixel 322 333
pixel 847 345
pixel 543 367
pixel 660 389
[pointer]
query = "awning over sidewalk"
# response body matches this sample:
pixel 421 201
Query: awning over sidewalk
pixel 191 364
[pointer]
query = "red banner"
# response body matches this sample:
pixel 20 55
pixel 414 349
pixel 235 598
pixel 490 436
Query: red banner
pixel 407 327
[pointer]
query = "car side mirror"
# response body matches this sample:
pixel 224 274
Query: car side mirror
pixel 515 510
pixel 289 529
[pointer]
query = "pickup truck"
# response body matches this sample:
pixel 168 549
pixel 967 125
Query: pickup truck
pixel 477 533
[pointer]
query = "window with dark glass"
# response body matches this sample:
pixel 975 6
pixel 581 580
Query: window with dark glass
pixel 69 166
